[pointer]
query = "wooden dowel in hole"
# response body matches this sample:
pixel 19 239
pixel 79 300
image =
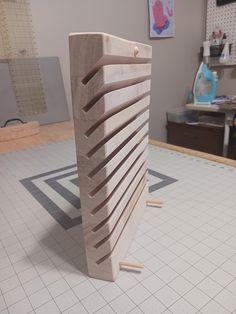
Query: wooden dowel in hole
pixel 131 265
pixel 154 202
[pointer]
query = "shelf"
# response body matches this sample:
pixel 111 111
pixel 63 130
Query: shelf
pixel 222 65
pixel 209 108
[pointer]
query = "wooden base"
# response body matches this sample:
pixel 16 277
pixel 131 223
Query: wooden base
pixel 17 131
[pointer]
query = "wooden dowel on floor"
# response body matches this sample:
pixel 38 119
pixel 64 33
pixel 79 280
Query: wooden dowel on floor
pixel 130 265
pixel 154 202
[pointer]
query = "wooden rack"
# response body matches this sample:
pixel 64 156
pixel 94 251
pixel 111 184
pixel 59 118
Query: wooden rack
pixel 110 89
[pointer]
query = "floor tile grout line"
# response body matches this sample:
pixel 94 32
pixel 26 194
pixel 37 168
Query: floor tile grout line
pixel 195 239
pixel 73 306
pixel 182 296
pixel 205 276
pixel 54 300
pixel 27 296
pixel 201 257
pixel 213 299
pixel 211 278
pixel 41 248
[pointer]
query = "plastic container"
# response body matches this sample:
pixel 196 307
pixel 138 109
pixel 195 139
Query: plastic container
pixel 212 120
pixel 181 115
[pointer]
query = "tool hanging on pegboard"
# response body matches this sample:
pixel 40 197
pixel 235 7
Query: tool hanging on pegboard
pixel 18 47
pixel 222 17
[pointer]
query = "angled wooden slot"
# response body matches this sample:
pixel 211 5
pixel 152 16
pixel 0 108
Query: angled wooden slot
pixel 117 140
pixel 112 126
pixel 110 79
pixel 118 173
pixel 109 164
pixel 113 77
pixel 107 267
pixel 111 103
pixel 102 207
pixel 105 245
pixel 106 225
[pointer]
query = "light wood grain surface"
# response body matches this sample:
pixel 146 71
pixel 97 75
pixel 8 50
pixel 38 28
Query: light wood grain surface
pixel 110 93
pixel 16 131
pixel 187 151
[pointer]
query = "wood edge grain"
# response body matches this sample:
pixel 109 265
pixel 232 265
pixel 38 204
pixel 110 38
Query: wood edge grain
pixel 17 131
pixel 195 153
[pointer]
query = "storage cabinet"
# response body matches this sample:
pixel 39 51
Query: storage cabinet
pixel 205 138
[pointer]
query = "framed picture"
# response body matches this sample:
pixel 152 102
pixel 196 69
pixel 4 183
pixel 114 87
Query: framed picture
pixel 162 18
pixel 223 2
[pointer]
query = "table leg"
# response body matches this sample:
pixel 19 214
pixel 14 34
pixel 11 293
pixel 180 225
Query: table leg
pixel 228 122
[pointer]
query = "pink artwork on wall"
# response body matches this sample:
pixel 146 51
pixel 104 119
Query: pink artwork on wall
pixel 161 18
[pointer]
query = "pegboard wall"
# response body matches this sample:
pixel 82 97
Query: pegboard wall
pixel 224 17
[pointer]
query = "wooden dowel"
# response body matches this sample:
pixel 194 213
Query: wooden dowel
pixel 154 202
pixel 136 51
pixel 131 265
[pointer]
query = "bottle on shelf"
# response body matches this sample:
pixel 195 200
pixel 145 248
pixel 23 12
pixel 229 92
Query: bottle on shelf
pixel 224 58
pixel 224 39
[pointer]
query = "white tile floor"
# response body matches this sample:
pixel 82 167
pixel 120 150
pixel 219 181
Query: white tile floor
pixel 188 246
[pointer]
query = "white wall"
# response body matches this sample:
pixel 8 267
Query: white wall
pixel 175 60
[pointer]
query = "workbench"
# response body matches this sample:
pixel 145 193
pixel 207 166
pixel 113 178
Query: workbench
pixel 229 110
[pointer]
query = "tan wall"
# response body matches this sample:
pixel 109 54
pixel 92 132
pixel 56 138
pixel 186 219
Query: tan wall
pixel 175 60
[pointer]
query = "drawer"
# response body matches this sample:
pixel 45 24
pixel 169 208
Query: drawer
pixel 204 138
